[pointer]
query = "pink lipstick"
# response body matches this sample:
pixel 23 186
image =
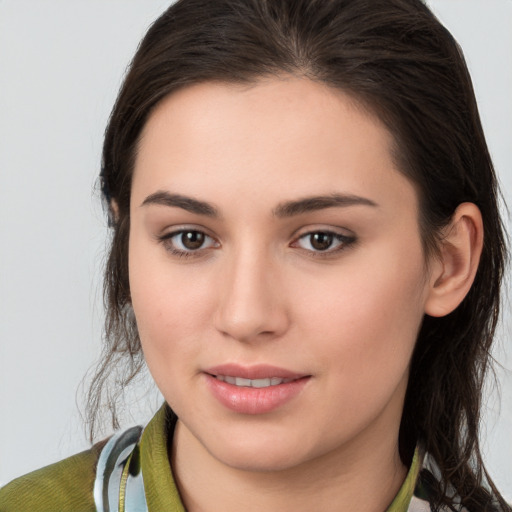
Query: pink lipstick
pixel 254 389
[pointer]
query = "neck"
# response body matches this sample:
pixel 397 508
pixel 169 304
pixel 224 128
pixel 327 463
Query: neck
pixel 364 476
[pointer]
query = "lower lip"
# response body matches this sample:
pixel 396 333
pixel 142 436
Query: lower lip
pixel 246 400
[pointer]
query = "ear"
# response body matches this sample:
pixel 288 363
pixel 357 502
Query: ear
pixel 454 270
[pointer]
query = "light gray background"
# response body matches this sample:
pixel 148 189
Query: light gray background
pixel 61 63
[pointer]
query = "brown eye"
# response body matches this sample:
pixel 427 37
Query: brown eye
pixel 321 241
pixel 327 242
pixel 192 240
pixel 187 242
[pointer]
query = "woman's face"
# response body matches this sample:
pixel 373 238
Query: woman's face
pixel 276 271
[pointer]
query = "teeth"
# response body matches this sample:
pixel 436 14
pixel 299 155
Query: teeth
pixel 262 383
pixel 239 381
pixel 252 383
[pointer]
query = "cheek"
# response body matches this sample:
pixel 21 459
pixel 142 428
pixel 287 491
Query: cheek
pixel 169 315
pixel 367 319
pixel 170 305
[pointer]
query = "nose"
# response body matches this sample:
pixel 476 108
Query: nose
pixel 252 304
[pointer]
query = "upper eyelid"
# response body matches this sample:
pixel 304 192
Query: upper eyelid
pixel 335 230
pixel 169 231
pixel 334 233
pixel 176 232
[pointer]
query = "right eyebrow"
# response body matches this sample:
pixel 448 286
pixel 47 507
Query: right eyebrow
pixel 189 204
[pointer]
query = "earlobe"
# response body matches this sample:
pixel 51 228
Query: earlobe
pixel 454 270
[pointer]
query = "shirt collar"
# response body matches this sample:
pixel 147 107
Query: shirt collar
pixel 160 487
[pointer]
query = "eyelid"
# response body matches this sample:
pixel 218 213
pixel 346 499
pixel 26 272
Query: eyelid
pixel 322 228
pixel 166 240
pixel 170 231
pixel 345 241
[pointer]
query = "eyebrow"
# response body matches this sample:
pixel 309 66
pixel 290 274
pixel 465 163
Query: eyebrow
pixel 286 209
pixel 309 204
pixel 189 204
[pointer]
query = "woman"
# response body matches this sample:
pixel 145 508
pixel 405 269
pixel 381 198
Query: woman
pixel 307 252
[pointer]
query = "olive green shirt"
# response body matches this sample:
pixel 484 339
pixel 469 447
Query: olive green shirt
pixel 67 486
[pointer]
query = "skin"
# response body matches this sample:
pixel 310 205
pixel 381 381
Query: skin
pixel 257 291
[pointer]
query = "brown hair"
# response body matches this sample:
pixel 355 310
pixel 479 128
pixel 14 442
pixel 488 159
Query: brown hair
pixel 399 62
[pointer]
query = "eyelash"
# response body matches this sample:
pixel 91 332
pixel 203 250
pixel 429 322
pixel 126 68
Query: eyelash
pixel 169 246
pixel 344 242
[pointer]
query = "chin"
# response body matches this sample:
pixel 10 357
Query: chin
pixel 260 461
pixel 261 452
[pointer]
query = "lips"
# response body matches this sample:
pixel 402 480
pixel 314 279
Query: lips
pixel 252 383
pixel 261 371
pixel 255 389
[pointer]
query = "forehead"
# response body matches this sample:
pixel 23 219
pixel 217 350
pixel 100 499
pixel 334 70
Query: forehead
pixel 276 137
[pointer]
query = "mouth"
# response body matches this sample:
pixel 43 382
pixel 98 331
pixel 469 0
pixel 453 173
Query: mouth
pixel 255 389
pixel 253 376
pixel 252 383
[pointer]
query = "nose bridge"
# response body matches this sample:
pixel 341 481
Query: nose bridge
pixel 249 300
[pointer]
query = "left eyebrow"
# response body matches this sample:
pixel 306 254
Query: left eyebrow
pixel 309 204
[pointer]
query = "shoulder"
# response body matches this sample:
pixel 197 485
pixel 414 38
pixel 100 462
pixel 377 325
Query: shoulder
pixel 65 486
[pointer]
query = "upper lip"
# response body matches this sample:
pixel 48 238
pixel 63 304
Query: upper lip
pixel 259 371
